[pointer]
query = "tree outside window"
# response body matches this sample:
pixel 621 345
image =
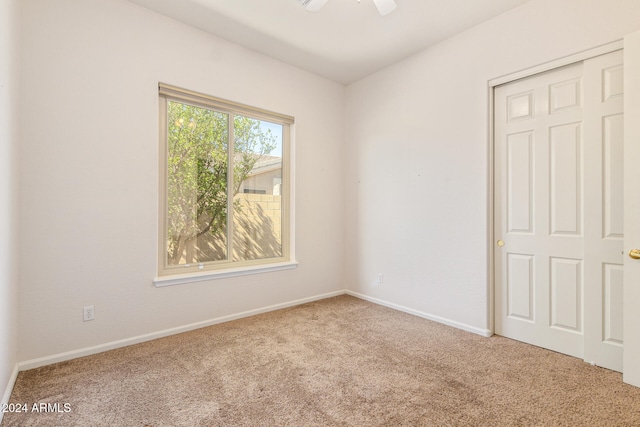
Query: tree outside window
pixel 223 187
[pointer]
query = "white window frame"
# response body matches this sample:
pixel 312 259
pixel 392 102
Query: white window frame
pixel 172 275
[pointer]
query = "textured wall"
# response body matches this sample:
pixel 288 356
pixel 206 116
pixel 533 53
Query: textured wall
pixel 89 193
pixel 9 132
pixel 418 154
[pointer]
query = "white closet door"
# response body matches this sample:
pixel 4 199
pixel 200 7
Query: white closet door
pixel 604 224
pixel 560 255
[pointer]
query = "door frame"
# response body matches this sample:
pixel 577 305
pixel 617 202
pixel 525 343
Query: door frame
pixel 491 85
pixel 631 292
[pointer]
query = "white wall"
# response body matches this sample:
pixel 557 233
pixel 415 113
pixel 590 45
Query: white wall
pixel 89 172
pixel 414 181
pixel 9 118
pixel 418 154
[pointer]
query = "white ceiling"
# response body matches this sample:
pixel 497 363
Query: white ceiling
pixel 345 41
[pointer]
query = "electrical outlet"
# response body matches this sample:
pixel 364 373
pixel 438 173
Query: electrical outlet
pixel 380 278
pixel 88 313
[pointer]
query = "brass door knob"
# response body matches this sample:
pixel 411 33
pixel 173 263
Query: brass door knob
pixel 500 243
pixel 634 253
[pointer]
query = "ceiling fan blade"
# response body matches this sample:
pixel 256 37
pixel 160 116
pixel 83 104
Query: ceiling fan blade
pixel 313 5
pixel 385 7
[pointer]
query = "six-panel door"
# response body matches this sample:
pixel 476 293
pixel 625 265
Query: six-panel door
pixel 558 208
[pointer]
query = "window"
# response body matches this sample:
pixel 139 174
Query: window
pixel 224 184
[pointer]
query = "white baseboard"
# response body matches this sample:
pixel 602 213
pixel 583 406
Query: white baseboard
pixel 7 392
pixel 448 322
pixel 87 351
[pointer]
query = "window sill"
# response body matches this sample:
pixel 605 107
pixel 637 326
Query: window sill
pixel 179 279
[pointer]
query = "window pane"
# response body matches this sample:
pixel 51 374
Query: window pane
pixel 257 225
pixel 198 140
pixel 225 200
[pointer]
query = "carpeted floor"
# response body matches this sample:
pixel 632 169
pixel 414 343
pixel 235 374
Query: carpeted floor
pixel 336 362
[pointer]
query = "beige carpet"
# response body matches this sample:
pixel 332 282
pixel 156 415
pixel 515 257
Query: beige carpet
pixel 336 362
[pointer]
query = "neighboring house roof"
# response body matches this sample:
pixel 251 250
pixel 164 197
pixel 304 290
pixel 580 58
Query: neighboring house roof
pixel 266 164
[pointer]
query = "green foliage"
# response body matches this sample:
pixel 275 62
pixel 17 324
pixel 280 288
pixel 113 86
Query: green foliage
pixel 198 159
